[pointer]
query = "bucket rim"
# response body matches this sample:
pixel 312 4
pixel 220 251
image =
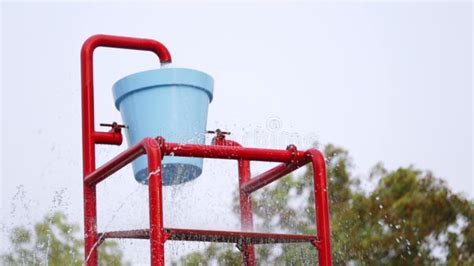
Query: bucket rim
pixel 162 77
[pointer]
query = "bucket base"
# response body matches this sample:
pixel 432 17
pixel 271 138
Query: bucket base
pixel 173 174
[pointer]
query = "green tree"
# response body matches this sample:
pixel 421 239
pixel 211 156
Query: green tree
pixel 401 221
pixel 52 242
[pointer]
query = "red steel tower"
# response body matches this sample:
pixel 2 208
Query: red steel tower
pixel 155 149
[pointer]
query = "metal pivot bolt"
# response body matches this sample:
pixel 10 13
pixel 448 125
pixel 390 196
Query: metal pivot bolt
pixel 115 126
pixel 219 133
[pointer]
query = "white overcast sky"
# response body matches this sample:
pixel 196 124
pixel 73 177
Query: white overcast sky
pixel 390 82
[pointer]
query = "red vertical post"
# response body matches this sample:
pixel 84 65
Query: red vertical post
pixel 90 225
pixel 88 157
pixel 157 232
pixel 321 205
pixel 246 217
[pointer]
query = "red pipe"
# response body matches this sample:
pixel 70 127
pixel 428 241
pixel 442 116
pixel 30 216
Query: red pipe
pixel 231 152
pixel 89 136
pixel 272 175
pixel 130 234
pixel 110 138
pixel 119 161
pixel 155 198
pixel 246 216
pixel 215 236
pixel 321 206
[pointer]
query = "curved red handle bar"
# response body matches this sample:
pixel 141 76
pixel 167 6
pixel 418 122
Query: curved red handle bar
pixel 90 136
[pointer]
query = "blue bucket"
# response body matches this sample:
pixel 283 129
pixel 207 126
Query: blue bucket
pixel 167 102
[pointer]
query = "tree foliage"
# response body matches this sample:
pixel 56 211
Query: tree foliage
pixel 53 242
pixel 410 217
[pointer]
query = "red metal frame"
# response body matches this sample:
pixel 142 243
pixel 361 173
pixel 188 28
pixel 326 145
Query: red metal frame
pixel 155 149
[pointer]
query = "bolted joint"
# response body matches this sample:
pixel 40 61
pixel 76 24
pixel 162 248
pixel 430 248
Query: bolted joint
pixel 161 143
pixel 294 152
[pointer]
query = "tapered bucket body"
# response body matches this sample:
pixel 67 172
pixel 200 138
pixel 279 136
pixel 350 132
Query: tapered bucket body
pixel 169 102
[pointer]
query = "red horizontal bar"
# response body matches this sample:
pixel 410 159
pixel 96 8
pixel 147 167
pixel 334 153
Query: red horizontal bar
pixel 193 150
pixel 235 237
pixel 272 175
pixel 216 236
pixel 135 234
pixel 231 152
